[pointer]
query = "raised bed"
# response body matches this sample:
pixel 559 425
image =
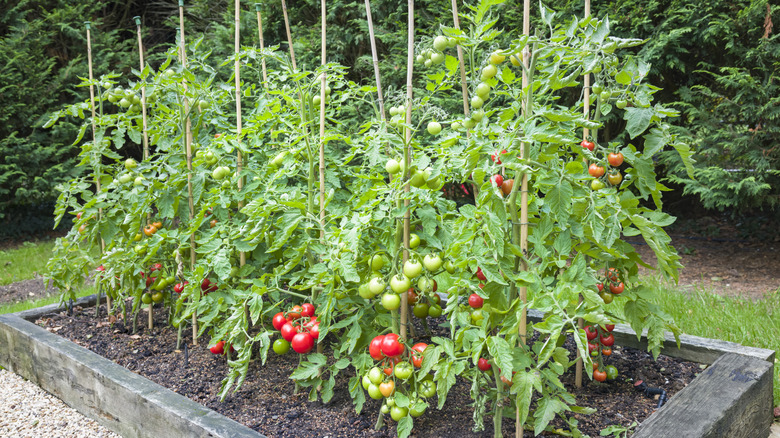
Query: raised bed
pixel 732 398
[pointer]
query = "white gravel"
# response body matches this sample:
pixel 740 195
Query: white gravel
pixel 28 411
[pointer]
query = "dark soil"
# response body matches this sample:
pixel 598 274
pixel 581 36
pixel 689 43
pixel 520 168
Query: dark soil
pixel 266 403
pixel 26 290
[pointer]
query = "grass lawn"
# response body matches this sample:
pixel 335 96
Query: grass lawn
pixel 32 304
pixel 754 323
pixel 23 262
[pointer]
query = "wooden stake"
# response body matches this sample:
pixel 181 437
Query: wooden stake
pixel 262 46
pixel 525 153
pixel 323 97
pixel 239 128
pixel 143 87
pixel 88 25
pixel 375 57
pixel 407 155
pixel 188 150
pixel 462 64
pixel 586 112
pixel 289 35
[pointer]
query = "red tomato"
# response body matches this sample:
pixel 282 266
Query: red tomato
pixel 497 180
pixel 375 348
pixel 600 287
pixel 307 310
pixel 589 145
pixel 606 351
pixel 591 332
pixel 481 275
pixel 599 376
pixel 609 327
pixel 314 331
pixel 616 289
pixel 205 284
pixel 497 158
pixel 483 364
pixel 417 353
pixel 279 320
pixel 592 347
pixel 294 313
pixel 608 340
pixel 288 331
pixel 475 301
pixel 179 287
pixel 302 343
pixel 391 346
pixel 218 348
pixel 612 274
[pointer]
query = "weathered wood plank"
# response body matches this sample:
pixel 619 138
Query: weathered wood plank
pixel 692 348
pixel 731 399
pixel 117 398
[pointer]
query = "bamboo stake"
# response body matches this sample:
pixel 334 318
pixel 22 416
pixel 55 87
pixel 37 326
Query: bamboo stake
pixel 289 34
pixel 586 112
pixel 375 57
pixel 323 96
pixel 239 128
pixel 407 155
pixel 525 153
pixel 262 46
pixel 88 25
pixel 462 64
pixel 188 149
pixel 143 87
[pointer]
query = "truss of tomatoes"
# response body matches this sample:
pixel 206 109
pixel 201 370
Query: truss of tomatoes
pixel 299 328
pixel 380 380
pixel 600 342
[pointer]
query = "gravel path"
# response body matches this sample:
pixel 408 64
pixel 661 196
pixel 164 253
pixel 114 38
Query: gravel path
pixel 28 411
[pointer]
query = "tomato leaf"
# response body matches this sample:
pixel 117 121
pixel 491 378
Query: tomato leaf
pixel 637 120
pixel 546 409
pixel 501 351
pixel 404 427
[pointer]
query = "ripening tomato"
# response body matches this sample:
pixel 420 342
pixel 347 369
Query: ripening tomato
pixel 616 289
pixel 615 159
pixel 294 312
pixel 599 376
pixel 417 353
pixel 506 187
pixel 615 178
pixel 387 388
pixel 596 171
pixel 149 230
pixel 606 351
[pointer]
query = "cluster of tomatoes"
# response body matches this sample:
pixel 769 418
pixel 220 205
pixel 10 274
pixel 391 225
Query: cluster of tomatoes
pixel 497 180
pixel 475 301
pixel 611 286
pixel 219 348
pixel 380 381
pixel 425 300
pixel 299 328
pixel 156 282
pixel 600 342
pixel 598 171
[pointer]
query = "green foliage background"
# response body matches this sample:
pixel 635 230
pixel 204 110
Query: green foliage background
pixel 716 61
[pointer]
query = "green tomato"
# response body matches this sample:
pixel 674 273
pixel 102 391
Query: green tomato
pixel 415 412
pixel 412 268
pixel 425 284
pixel 477 316
pixel 417 179
pixel 390 401
pixel 605 95
pixel 146 298
pixel 440 43
pixel 477 102
pixel 366 382
pixel 365 292
pixel 449 267
pixel 420 310
pixel 469 123
pixel 597 88
pixel 377 262
pixel 428 63
pixel 403 370
pixel 376 285
pixel 414 241
pixel 391 301
pixel 596 184
pixel 278 159
pixel 437 58
pixel 393 166
pixel 126 178
pixel 427 388
pixel 434 311
pixel 130 164
pixel 432 262
pixel 400 283
pixel 612 372
pixel 483 90
pixel 374 392
pixel 621 103
pixel 397 412
pixel 434 128
pixel 138 181
pixel 385 409
pixel 282 346
pixel 488 72
pixel 375 375
pixel 478 115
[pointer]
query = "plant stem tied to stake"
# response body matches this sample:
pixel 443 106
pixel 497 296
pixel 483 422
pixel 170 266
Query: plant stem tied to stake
pixel 188 148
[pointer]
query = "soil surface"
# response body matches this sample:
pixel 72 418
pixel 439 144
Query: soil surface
pixel 266 401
